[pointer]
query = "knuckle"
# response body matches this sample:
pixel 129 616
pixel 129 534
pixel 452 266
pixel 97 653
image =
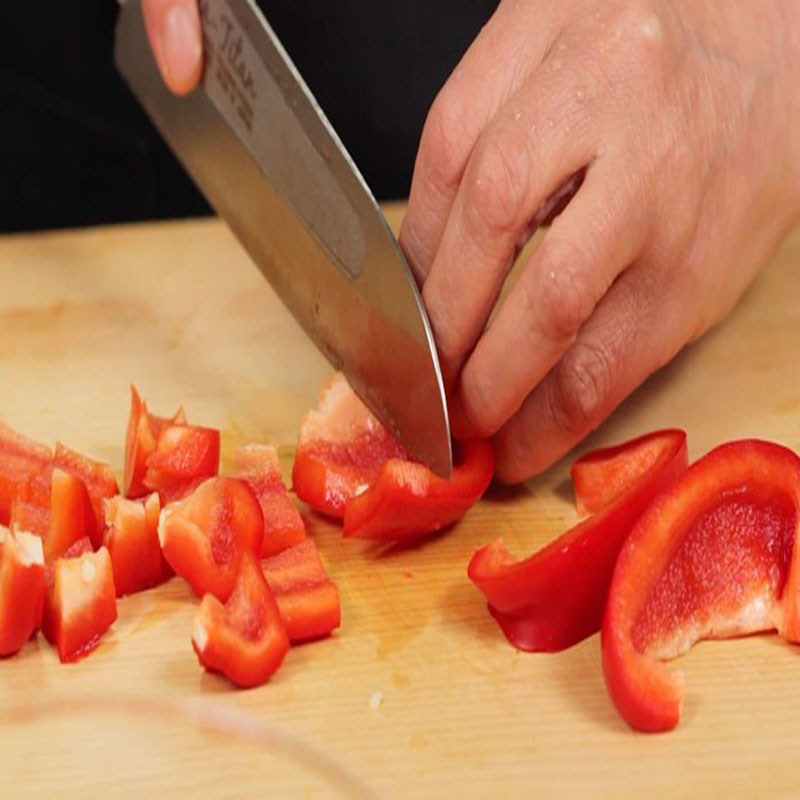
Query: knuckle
pixel 561 300
pixel 641 33
pixel 581 387
pixel 445 140
pixel 499 182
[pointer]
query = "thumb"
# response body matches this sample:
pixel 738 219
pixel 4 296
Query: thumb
pixel 173 27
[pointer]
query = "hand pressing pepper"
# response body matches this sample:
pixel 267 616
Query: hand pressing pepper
pixel 717 555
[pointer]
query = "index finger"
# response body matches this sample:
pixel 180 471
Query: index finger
pixel 173 28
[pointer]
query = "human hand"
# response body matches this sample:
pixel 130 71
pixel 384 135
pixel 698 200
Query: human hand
pixel 173 27
pixel 685 116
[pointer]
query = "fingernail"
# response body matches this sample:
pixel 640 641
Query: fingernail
pixel 182 51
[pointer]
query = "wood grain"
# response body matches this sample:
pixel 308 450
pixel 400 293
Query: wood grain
pixel 178 309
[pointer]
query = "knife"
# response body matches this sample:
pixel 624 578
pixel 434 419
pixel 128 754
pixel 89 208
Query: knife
pixel 261 150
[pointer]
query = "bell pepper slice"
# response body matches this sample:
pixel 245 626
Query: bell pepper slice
pixel 131 537
pixel 99 481
pixel 20 460
pixel 205 537
pixel 22 587
pixel 55 506
pixel 715 556
pixel 307 598
pixel 142 435
pixel 555 597
pixel 258 465
pixel 185 455
pixel 342 448
pixel 81 604
pixel 408 501
pixel 245 639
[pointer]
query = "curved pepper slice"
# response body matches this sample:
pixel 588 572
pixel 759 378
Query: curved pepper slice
pixel 99 481
pixel 22 588
pixel 55 506
pixel 81 604
pixel 306 596
pixel 142 435
pixel 555 597
pixel 205 537
pixel 20 460
pixel 245 639
pixel 716 556
pixel 408 500
pixel 341 449
pixel 259 467
pixel 131 537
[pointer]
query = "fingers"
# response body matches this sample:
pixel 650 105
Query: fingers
pixel 534 145
pixel 636 329
pixel 588 246
pixel 496 64
pixel 173 27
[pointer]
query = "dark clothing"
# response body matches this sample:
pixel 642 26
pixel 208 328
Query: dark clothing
pixel 75 148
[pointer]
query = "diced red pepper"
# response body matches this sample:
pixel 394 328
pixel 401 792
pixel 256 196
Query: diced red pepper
pixel 259 466
pixel 54 505
pixel 555 597
pixel 144 429
pixel 306 596
pixel 99 481
pixel 342 448
pixel 716 556
pixel 408 501
pixel 20 460
pixel 81 604
pixel 184 455
pixel 131 537
pixel 245 639
pixel 205 537
pixel 22 587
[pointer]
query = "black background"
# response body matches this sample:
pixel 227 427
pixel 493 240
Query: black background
pixel 76 150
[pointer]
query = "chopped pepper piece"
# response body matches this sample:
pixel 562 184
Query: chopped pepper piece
pixel 81 604
pixel 205 537
pixel 555 597
pixel 715 556
pixel 131 537
pixel 245 639
pixel 306 596
pixel 54 505
pixel 258 465
pixel 144 429
pixel 22 587
pixel 408 501
pixel 20 460
pixel 99 481
pixel 341 449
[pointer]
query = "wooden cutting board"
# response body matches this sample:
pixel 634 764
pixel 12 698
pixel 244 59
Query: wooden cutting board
pixel 418 693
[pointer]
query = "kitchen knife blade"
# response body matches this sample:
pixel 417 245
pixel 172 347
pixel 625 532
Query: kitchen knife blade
pixel 261 150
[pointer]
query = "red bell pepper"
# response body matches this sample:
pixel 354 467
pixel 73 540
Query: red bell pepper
pixel 716 556
pixel 205 537
pixel 408 501
pixel 555 597
pixel 20 460
pixel 131 538
pixel 341 449
pixel 306 596
pixel 259 467
pixel 99 481
pixel 81 603
pixel 22 587
pixel 144 429
pixel 245 639
pixel 55 506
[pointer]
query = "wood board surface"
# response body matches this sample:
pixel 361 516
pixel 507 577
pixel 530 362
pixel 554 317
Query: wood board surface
pixel 418 694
